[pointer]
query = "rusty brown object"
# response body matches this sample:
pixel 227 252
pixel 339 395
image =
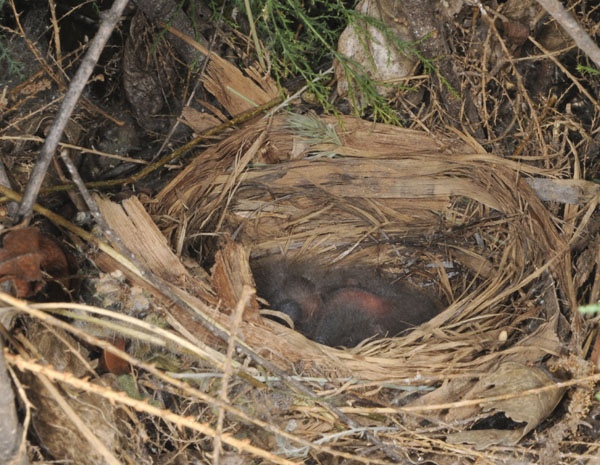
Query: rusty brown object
pixel 113 363
pixel 351 315
pixel 25 253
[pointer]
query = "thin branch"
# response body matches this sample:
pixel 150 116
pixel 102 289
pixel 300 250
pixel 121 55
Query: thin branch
pixel 572 27
pixel 237 320
pixel 110 19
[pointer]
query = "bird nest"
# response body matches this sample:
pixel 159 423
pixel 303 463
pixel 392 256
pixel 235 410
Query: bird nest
pixel 438 211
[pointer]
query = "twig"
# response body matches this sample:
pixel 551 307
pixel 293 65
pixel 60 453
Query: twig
pixel 237 320
pixel 111 17
pixel 572 27
pixel 287 101
pixel 93 207
pixel 259 52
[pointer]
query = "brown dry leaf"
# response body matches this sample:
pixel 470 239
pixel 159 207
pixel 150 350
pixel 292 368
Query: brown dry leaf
pixel 532 409
pixel 23 256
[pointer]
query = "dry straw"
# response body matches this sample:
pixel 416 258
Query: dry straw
pixel 398 199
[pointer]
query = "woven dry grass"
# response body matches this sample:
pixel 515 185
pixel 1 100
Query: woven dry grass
pixel 413 205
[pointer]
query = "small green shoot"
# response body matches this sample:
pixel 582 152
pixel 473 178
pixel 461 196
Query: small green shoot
pixel 590 309
pixel 588 69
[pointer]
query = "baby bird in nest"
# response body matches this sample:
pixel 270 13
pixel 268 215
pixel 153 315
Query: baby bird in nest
pixel 341 307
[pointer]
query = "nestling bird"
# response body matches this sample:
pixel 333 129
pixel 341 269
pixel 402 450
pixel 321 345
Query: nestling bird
pixel 287 290
pixel 351 315
pixel 341 307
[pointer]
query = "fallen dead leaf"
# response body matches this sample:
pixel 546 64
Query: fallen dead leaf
pixel 25 254
pixel 527 411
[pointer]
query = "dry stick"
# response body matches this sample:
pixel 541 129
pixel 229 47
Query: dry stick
pixel 133 265
pixel 22 458
pixel 294 96
pixel 110 19
pixel 259 52
pixel 237 320
pixel 55 30
pixel 572 27
pixel 94 210
pixel 79 148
